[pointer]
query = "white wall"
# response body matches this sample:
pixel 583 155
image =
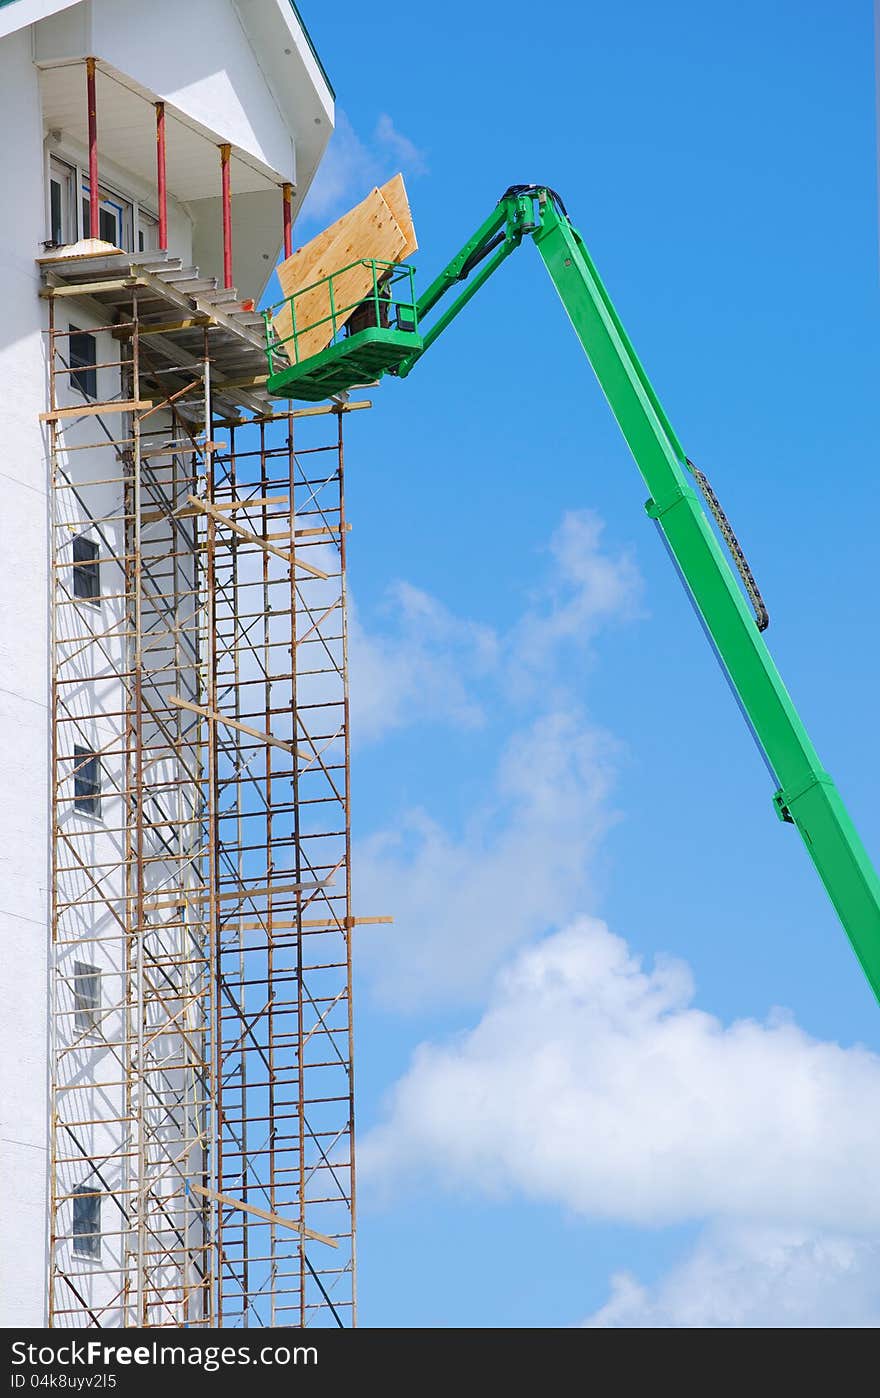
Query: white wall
pixel 24 795
pixel 96 1072
pixel 256 239
pixel 212 74
pixel 88 714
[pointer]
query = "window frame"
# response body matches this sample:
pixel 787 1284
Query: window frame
pixel 85 371
pixel 87 802
pixel 133 219
pixel 146 222
pixel 86 1242
pixel 112 201
pixel 65 175
pixel 87 569
pixel 86 1007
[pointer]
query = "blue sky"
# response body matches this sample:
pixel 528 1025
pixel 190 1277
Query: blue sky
pixel 550 779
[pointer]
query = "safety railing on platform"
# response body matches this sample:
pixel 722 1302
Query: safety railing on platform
pixel 337 307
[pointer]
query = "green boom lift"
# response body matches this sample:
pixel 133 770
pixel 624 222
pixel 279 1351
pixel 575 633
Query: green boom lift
pixel 387 336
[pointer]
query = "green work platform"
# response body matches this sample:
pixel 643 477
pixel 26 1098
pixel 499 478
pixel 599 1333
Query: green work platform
pixel 357 359
pixel 365 335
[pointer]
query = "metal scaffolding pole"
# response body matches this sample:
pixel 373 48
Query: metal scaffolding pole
pixel 129 1052
pixel 202 1136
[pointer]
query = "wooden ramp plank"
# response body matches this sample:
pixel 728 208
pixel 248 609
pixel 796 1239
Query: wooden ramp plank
pixel 293 1223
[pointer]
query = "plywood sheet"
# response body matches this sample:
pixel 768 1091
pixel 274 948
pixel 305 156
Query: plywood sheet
pixel 369 230
pixel 296 270
pixel 394 194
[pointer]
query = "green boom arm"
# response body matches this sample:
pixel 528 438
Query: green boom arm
pixel 805 795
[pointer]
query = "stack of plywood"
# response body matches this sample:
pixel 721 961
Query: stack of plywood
pixel 380 227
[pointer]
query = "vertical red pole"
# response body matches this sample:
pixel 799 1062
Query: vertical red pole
pixel 286 192
pixel 225 152
pixel 160 176
pixel 94 202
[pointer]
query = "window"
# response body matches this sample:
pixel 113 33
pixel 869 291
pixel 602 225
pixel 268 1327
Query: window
pixel 86 569
pixel 86 997
pixel 69 212
pixel 86 781
pixel 148 232
pixel 83 355
pixel 86 1221
pixel 62 226
pixel 114 217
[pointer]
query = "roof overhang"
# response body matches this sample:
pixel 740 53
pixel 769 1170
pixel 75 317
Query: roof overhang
pixel 296 78
pixel 127 132
pixel 284 53
pixel 17 14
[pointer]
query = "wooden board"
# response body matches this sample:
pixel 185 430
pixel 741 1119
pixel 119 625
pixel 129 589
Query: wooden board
pixel 394 194
pixel 117 405
pixel 370 230
pixel 301 268
pixel 278 1219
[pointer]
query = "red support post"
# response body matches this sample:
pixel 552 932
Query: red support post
pixel 160 176
pixel 225 153
pixel 286 193
pixel 94 201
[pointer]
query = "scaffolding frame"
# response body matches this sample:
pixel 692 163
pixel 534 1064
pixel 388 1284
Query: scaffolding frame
pixel 202 1109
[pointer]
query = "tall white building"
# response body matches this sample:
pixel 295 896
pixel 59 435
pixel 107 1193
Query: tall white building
pixel 174 899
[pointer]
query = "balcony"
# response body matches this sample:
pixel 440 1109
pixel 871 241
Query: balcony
pixel 164 180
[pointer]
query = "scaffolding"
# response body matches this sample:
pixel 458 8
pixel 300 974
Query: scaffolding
pixel 202 1143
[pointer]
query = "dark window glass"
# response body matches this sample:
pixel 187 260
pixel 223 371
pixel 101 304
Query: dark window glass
pixel 86 1221
pixel 83 351
pixel 86 997
pixel 108 223
pixel 86 569
pixel 109 226
pixel 56 231
pixel 86 781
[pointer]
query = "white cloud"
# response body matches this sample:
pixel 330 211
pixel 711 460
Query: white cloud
pixel 750 1276
pixel 404 151
pixel 586 588
pixel 419 668
pixel 596 1084
pixel 347 173
pixel 417 662
pixel 589 1081
pixel 520 864
pixel 352 167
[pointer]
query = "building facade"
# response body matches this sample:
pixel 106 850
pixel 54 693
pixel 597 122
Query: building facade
pixel 174 893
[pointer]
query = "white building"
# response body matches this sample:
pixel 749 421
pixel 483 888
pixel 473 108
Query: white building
pixel 228 83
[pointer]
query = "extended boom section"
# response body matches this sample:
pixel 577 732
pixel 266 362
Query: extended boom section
pixel 806 795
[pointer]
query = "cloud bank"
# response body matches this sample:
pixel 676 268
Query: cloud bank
pixel 589 1080
pixel 755 1277
pixel 596 1084
pixel 419 663
pixel 522 861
